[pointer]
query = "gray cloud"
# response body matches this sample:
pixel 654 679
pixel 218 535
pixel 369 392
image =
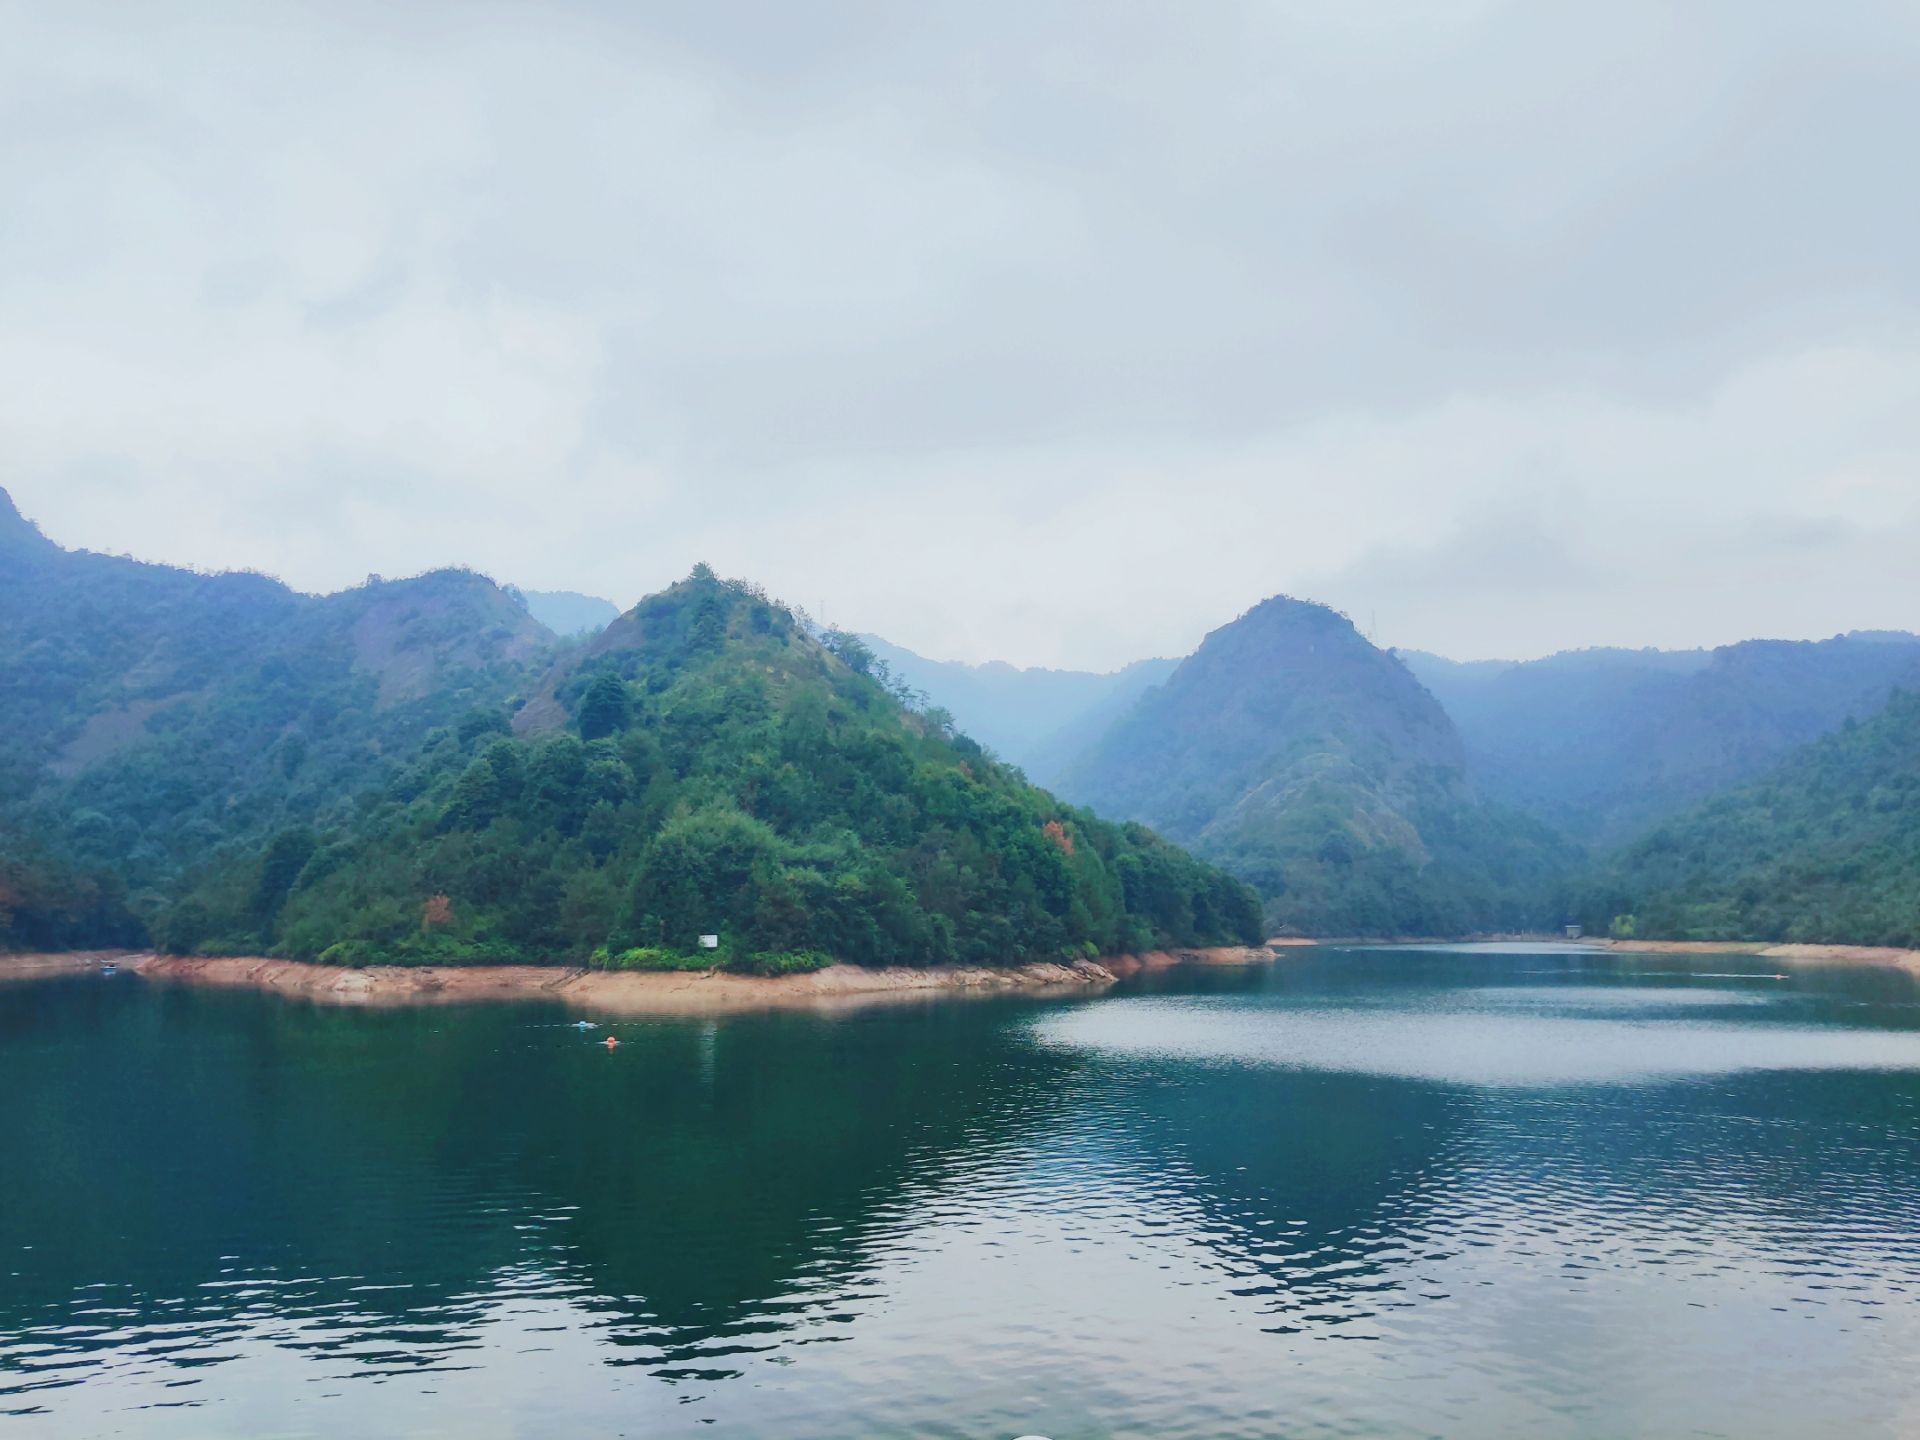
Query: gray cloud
pixel 1056 332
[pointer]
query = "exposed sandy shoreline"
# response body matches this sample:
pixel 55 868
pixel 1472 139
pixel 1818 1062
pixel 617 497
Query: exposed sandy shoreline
pixel 36 967
pixel 626 991
pixel 1803 953
pixel 703 993
pixel 1816 954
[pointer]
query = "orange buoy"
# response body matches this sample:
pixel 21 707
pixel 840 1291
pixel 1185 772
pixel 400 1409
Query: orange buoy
pixel 610 1042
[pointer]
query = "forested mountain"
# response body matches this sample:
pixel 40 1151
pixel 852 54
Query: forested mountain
pixel 1298 756
pixel 1603 743
pixel 567 612
pixel 1825 847
pixel 1035 718
pixel 418 769
pixel 708 766
pixel 156 718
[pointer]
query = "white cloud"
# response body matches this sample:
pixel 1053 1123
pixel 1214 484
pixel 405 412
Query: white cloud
pixel 1052 333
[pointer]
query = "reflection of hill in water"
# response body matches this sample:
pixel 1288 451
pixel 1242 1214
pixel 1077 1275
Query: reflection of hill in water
pixel 218 1175
pixel 1336 1197
pixel 373 1183
pixel 1310 1188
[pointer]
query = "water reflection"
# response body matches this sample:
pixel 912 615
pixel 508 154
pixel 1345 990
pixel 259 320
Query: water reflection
pixel 1486 1194
pixel 378 1183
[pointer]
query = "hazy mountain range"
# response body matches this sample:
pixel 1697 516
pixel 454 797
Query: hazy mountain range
pixel 1367 791
pixel 567 612
pixel 223 761
pixel 1601 743
pixel 1039 719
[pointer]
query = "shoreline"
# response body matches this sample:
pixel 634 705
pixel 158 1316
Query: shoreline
pixel 1810 954
pixel 639 992
pixel 626 992
pixel 1803 952
pixel 36 966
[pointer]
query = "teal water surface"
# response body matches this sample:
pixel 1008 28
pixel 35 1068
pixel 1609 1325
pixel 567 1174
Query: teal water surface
pixel 1359 1193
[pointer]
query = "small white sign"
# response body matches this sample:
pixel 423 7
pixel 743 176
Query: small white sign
pixel 709 942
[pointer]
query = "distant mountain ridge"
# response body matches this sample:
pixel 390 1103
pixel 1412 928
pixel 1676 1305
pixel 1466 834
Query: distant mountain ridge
pixel 1290 750
pixel 1603 743
pixel 1355 796
pixel 1035 718
pixel 568 613
pixel 1824 846
pixel 171 733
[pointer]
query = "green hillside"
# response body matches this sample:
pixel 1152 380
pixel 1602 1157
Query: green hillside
pixel 707 766
pixel 157 719
pixel 1297 755
pixel 420 770
pixel 1604 744
pixel 1824 848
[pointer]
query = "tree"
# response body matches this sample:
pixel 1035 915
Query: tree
pixel 606 709
pixel 850 648
pixel 279 868
pixel 477 796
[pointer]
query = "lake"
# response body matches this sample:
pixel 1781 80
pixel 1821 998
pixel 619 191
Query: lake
pixel 1468 1192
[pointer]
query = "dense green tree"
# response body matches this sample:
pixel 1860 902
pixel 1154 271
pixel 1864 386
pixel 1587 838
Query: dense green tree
pixel 604 709
pixel 279 868
pixel 1824 848
pixel 161 724
pixel 762 789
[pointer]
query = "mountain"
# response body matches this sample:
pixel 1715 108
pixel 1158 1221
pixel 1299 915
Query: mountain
pixel 708 766
pixel 1037 719
pixel 1052 757
pixel 567 612
pixel 1825 847
pixel 20 538
pixel 1604 743
pixel 156 716
pixel 1297 755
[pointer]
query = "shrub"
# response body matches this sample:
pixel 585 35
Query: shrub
pixel 653 957
pixel 780 962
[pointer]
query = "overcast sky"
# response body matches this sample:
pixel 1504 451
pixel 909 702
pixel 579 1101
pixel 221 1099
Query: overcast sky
pixel 1051 332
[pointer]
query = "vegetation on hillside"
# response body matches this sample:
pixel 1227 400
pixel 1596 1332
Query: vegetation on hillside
pixel 418 770
pixel 1825 848
pixel 720 771
pixel 159 720
pixel 1293 753
pixel 1604 744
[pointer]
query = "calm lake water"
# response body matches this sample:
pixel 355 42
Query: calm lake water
pixel 1360 1193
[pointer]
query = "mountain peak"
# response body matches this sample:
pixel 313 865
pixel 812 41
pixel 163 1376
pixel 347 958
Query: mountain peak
pixel 1292 751
pixel 17 533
